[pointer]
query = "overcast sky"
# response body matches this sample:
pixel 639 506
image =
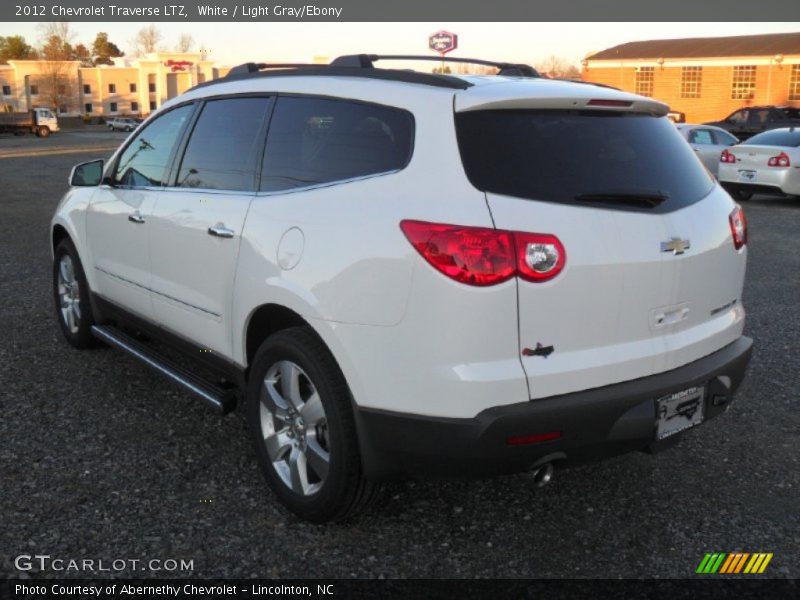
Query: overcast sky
pixel 233 43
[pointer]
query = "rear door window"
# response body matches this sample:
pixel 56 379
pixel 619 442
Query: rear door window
pixel 603 158
pixel 313 141
pixel 223 149
pixel 701 136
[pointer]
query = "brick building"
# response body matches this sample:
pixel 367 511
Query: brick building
pixel 706 78
pixel 128 87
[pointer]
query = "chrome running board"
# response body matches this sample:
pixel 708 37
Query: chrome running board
pixel 222 400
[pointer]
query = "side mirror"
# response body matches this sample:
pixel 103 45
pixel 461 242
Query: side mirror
pixel 87 174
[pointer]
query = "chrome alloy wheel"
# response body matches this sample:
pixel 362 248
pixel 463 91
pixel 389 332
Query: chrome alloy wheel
pixel 294 428
pixel 69 294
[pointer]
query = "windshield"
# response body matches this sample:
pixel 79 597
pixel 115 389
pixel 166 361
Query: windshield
pixel 617 159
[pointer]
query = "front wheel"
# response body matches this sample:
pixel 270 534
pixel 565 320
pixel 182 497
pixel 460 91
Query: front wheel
pixel 43 132
pixel 299 413
pixel 71 295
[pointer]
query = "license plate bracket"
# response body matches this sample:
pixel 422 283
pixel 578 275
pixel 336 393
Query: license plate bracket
pixel 747 175
pixel 679 411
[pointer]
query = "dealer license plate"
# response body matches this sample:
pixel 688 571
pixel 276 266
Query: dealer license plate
pixel 746 175
pixel 679 411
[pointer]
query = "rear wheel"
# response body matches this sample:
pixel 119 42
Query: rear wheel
pixel 298 409
pixel 71 295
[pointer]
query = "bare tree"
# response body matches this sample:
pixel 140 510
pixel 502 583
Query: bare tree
pixel 185 43
pixel 56 77
pixel 558 68
pixel 146 40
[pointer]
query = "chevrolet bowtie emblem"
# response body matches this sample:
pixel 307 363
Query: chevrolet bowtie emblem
pixel 676 246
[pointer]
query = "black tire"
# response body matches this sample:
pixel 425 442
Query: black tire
pixel 43 132
pixel 344 491
pixel 81 336
pixel 742 195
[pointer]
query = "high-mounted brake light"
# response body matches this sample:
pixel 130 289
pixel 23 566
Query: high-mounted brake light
pixel 738 227
pixel 782 160
pixel 617 103
pixel 727 157
pixel 483 256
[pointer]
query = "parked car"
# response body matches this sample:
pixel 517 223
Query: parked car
pixel 708 142
pixel 39 121
pixel 403 274
pixel 123 124
pixel 676 116
pixel 747 122
pixel 766 163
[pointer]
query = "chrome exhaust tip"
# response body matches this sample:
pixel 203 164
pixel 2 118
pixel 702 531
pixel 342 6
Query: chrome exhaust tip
pixel 543 474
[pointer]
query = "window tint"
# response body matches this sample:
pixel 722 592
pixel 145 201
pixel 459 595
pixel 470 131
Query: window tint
pixel 223 148
pixel 314 140
pixel 776 137
pixel 144 161
pixel 701 136
pixel 739 117
pixel 723 138
pixel 584 157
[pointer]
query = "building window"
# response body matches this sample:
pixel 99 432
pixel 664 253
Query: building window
pixel 151 88
pixel 794 83
pixel 744 82
pixel 152 105
pixel 87 89
pixel 134 107
pixel 6 90
pixel 112 88
pixel 644 80
pixel 132 87
pixel 112 107
pixel 691 79
pixel 34 90
pixel 87 108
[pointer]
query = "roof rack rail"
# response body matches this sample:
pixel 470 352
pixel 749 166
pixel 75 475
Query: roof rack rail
pixel 366 61
pixel 247 68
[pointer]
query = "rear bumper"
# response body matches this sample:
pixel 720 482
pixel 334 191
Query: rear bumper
pixel 594 424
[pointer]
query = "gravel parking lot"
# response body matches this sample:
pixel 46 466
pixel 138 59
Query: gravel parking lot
pixel 102 459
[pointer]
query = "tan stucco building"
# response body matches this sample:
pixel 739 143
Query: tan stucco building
pixel 705 78
pixel 128 87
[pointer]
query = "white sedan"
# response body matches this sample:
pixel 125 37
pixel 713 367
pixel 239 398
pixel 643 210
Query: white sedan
pixel 708 142
pixel 768 162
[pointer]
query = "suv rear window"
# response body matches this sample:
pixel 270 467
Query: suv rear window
pixel 317 140
pixel 598 158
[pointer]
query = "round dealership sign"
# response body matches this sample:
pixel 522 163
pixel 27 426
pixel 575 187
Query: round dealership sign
pixel 443 42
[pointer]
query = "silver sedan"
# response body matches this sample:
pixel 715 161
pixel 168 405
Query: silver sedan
pixel 708 142
pixel 768 162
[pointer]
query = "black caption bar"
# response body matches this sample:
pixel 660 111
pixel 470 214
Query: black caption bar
pixel 405 10
pixel 434 589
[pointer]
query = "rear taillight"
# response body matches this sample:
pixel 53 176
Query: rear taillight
pixel 738 227
pixel 782 160
pixel 472 255
pixel 482 256
pixel 727 157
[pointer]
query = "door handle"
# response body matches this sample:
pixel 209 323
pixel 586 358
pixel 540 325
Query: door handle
pixel 135 217
pixel 220 230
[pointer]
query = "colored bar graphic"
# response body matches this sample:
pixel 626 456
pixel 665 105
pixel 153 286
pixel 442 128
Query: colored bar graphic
pixel 766 562
pixel 740 564
pixel 727 564
pixel 703 563
pixel 733 563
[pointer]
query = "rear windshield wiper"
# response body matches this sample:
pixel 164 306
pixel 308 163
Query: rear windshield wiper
pixel 646 198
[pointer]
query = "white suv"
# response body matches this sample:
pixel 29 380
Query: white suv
pixel 403 274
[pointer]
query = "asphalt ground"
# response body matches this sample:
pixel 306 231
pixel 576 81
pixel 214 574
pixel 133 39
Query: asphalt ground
pixel 102 459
